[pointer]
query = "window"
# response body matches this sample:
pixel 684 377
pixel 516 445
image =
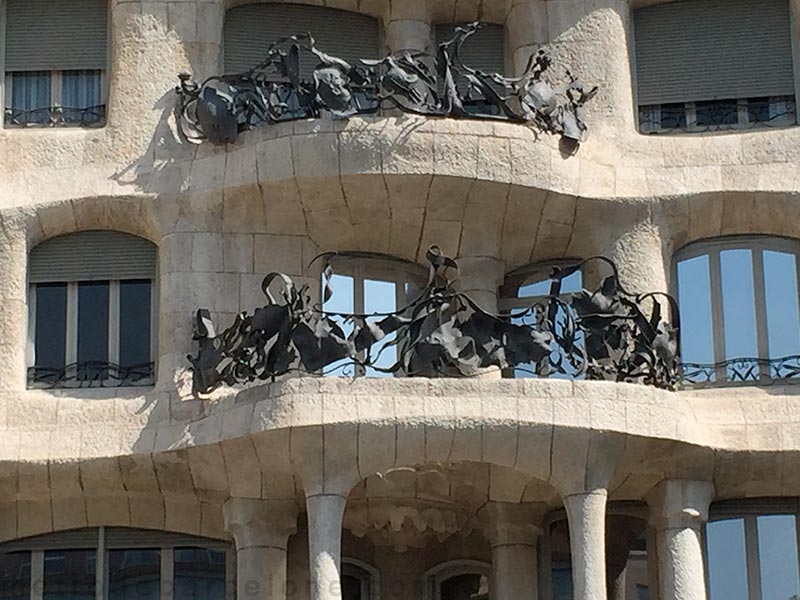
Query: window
pixel 138 565
pixel 251 29
pixel 753 555
pixel 710 65
pixel 367 285
pixel 359 581
pixel 740 314
pixel 485 51
pixel 55 62
pixel 91 311
pixel 531 285
pixel 458 580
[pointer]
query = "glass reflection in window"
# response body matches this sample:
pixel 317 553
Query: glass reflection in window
pixel 199 574
pixel 134 574
pixel 69 574
pixel 15 576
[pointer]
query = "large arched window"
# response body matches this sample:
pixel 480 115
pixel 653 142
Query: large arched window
pixel 365 285
pixel 115 564
pixel 740 315
pixel 91 311
pixel 458 580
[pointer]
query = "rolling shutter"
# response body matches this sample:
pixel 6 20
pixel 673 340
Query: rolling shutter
pixel 713 50
pixel 251 29
pixel 47 35
pixel 485 50
pixel 92 256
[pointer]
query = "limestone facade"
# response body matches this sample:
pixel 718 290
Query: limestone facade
pixel 402 475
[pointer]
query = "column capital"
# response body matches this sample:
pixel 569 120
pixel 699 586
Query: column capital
pixel 260 523
pixel 507 524
pixel 679 503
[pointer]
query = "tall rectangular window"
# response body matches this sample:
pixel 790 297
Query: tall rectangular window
pixel 55 62
pixel 69 575
pixel 711 65
pixel 134 574
pixel 15 576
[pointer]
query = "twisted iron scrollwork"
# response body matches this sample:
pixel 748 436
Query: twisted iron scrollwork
pixel 607 334
pixel 443 85
pixel 56 116
pixel 91 374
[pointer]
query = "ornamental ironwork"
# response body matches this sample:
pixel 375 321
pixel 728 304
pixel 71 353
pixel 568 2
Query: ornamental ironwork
pixel 607 334
pixel 221 107
pixel 56 116
pixel 91 374
pixel 743 371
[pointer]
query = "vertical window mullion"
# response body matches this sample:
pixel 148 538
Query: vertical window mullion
pixel 717 314
pixel 113 322
pixel 37 575
pixel 759 287
pixel 753 562
pixel 101 572
pixel 230 573
pixel 167 573
pixel 72 325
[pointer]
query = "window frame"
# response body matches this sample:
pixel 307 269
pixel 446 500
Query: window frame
pixel 163 541
pixel 434 577
pixel 5 78
pixel 71 350
pixel 508 298
pixel 749 511
pixel 368 575
pixel 362 267
pixel 757 245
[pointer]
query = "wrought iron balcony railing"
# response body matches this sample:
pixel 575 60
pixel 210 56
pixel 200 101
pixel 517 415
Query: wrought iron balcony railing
pixel 91 374
pixel 608 334
pixel 415 82
pixel 742 371
pixel 56 116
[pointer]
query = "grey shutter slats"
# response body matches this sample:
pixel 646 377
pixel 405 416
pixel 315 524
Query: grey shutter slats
pixel 121 537
pixel 485 50
pixel 250 29
pixel 699 50
pixel 47 35
pixel 92 256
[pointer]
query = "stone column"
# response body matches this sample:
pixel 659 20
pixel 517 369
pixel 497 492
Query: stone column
pixel 514 530
pixel 13 303
pixel 261 530
pixel 407 26
pixel 678 510
pixel 526 30
pixel 586 512
pixel 480 277
pixel 325 515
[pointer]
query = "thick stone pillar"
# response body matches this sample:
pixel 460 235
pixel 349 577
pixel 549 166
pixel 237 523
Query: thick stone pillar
pixel 526 30
pixel 678 510
pixel 586 512
pixel 480 277
pixel 13 304
pixel 407 26
pixel 325 515
pixel 261 531
pixel 514 530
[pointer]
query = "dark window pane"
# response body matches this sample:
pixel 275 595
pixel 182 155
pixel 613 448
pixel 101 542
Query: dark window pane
pixel 199 574
pixel 15 576
pixel 673 116
pixel 51 325
pixel 93 330
pixel 562 584
pixel 134 322
pixel 69 574
pixel 716 113
pixel 351 588
pixel 758 110
pixel 727 565
pixel 134 575
pixel 463 587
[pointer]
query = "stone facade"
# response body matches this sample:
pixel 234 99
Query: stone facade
pixel 277 469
